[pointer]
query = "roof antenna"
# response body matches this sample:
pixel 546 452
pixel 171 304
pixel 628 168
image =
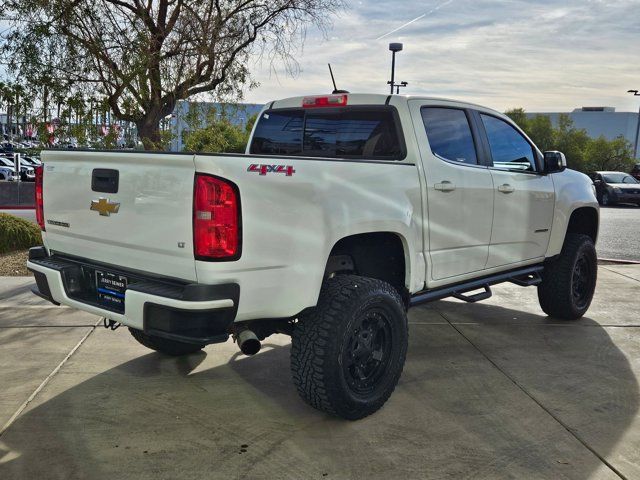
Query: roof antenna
pixel 335 89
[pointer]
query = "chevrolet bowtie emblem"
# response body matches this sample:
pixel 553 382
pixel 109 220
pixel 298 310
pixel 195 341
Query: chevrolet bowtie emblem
pixel 104 206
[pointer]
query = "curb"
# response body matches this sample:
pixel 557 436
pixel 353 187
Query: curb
pixel 616 261
pixel 17 207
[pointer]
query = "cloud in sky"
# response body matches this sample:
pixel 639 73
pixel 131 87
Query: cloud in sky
pixel 546 55
pixel 543 55
pixel 419 17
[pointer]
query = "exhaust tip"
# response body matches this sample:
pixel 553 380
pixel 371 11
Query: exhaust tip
pixel 248 342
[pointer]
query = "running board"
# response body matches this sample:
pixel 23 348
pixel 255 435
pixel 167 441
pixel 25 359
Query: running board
pixel 527 276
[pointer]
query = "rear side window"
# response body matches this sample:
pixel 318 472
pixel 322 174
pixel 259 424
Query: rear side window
pixel 279 133
pixel 352 132
pixel 449 134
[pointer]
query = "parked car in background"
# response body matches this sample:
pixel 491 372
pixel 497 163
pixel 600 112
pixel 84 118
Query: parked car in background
pixel 6 147
pixel 27 172
pixel 616 187
pixel 30 161
pixel 8 173
pixel 635 171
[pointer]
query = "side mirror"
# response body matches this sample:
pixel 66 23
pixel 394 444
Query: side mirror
pixel 597 182
pixel 554 161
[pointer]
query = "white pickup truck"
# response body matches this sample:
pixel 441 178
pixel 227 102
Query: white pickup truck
pixel 346 210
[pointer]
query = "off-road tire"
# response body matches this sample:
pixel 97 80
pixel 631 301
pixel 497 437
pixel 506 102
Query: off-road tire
pixel 328 338
pixel 556 292
pixel 164 345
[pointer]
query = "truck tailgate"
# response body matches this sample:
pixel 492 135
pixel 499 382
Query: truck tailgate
pixel 151 230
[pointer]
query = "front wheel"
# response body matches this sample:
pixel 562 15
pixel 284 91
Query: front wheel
pixel 568 283
pixel 348 352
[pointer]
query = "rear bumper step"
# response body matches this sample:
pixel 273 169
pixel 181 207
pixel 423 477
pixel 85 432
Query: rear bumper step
pixel 188 312
pixel 527 276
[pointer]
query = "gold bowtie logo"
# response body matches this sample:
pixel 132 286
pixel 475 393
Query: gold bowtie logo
pixel 104 207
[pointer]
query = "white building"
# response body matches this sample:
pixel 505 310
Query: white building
pixel 601 121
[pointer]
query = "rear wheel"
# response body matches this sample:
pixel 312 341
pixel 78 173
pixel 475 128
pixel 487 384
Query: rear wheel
pixel 164 345
pixel 569 282
pixel 347 353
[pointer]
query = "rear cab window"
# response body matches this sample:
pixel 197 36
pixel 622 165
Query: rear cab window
pixel 354 132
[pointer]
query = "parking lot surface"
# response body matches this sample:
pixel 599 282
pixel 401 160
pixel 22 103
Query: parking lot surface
pixel 619 233
pixel 491 390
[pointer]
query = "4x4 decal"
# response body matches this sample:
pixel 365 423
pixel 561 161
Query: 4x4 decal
pixel 288 170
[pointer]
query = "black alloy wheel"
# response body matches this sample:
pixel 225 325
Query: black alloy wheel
pixel 366 355
pixel 582 282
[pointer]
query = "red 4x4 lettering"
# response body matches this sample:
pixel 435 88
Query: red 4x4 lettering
pixel 288 170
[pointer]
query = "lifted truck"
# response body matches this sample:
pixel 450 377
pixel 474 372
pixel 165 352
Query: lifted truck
pixel 345 211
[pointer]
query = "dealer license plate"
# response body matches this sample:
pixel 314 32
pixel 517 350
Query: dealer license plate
pixel 110 288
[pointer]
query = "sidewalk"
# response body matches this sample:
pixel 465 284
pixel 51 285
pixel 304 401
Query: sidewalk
pixel 490 390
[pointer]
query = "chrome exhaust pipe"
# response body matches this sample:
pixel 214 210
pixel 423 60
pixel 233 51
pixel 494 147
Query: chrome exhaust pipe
pixel 248 342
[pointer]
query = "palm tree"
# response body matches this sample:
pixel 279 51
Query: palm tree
pixel 19 93
pixel 11 93
pixel 3 96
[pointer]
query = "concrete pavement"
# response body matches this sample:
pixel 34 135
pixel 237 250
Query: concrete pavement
pixel 618 237
pixel 491 390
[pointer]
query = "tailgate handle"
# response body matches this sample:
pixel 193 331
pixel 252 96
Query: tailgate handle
pixel 104 180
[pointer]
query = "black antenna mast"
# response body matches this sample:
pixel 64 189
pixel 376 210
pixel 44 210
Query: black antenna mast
pixel 335 89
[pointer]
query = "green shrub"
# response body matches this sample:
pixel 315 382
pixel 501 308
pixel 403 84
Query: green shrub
pixel 17 234
pixel 583 153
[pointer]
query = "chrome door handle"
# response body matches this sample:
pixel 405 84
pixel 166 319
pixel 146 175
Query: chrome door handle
pixel 445 186
pixel 506 188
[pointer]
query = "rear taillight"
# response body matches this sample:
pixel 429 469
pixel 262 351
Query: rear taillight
pixel 38 199
pixel 216 219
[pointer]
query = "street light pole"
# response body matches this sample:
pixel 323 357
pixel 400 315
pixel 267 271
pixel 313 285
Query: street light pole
pixel 393 68
pixel 635 148
pixel 395 47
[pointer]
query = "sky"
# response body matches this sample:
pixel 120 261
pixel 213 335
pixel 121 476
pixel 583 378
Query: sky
pixel 546 55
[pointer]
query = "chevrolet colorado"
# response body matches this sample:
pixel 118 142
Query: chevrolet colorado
pixel 345 211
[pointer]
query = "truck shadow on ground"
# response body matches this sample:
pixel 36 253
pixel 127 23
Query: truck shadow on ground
pixel 456 412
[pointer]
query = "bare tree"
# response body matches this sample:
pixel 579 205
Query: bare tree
pixel 145 55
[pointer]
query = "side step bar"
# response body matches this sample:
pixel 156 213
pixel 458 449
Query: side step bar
pixel 529 280
pixel 524 277
pixel 476 297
